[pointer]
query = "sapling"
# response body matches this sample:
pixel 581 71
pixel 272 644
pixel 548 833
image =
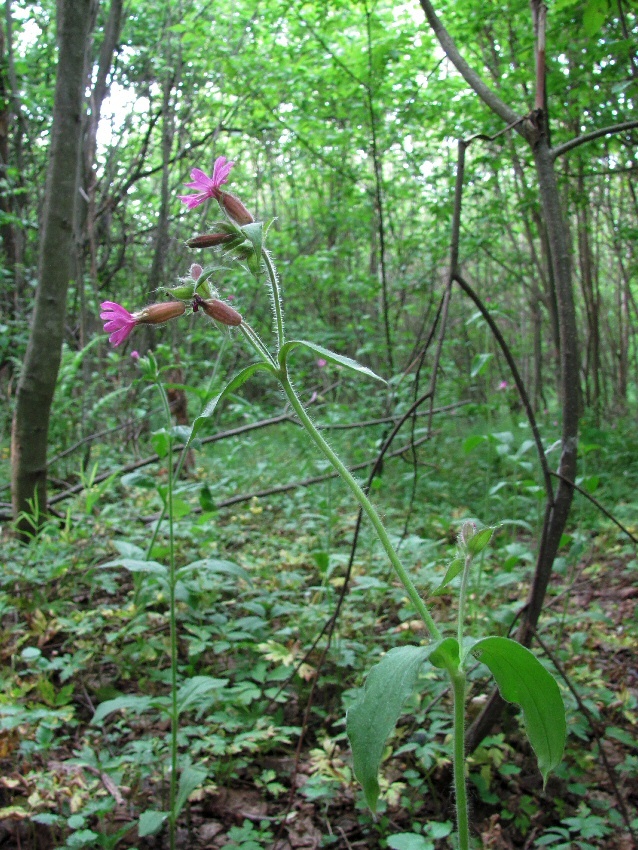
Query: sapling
pixel 238 239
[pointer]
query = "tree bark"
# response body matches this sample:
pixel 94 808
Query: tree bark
pixel 42 359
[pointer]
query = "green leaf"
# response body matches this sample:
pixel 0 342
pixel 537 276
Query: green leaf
pixel 151 822
pixel 161 442
pixel 522 679
pixel 195 688
pixel 477 542
pixel 206 501
pixel 135 704
pixel 451 573
pixel 133 565
pixel 230 387
pixel 472 442
pixel 446 654
pixel 182 433
pixel 255 233
pixel 373 716
pixel 339 359
pixel 190 779
pixel 479 364
pixel 139 479
pixel 216 565
pixel 594 16
pixel 410 841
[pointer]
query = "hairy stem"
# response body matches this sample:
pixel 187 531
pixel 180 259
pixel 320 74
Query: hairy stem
pixel 173 627
pixel 457 678
pixel 365 503
pixel 276 296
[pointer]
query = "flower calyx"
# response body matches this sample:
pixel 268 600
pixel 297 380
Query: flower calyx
pixel 217 310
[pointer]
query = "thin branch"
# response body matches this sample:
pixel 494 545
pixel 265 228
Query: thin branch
pixel 598 505
pixel 520 386
pixel 559 150
pixel 469 74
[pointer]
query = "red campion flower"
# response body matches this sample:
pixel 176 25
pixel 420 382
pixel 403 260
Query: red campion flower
pixel 207 187
pixel 119 323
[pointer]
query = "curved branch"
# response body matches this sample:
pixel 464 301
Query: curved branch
pixel 597 504
pixel 559 150
pixel 520 386
pixel 469 74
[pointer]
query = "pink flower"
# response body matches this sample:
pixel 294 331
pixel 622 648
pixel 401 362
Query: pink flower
pixel 135 355
pixel 118 322
pixel 502 385
pixel 205 186
pixel 321 363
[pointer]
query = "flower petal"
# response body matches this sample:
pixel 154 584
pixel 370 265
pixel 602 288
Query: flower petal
pixel 120 335
pixel 221 170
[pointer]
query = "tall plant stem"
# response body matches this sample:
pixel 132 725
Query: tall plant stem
pixel 173 628
pixel 365 503
pixel 457 678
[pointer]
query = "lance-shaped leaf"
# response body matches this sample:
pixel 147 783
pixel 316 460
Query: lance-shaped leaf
pixel 215 565
pixel 190 779
pixel 135 704
pixel 230 387
pixel 454 568
pixel 195 688
pixel 373 716
pixel 522 679
pixel 151 822
pixel 326 354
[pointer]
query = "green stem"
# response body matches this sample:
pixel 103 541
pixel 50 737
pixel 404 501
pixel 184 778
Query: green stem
pixel 173 627
pixel 255 341
pixel 460 791
pixel 463 597
pixel 363 500
pixel 276 296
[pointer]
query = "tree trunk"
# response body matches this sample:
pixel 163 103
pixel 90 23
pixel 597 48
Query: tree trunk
pixel 42 360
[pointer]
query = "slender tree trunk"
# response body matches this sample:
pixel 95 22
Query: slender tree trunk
pixel 534 129
pixel 13 133
pixel 42 360
pixel 591 296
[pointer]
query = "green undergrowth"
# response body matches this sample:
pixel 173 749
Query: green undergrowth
pixel 253 614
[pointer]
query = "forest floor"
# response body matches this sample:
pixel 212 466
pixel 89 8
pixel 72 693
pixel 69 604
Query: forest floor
pixel 78 632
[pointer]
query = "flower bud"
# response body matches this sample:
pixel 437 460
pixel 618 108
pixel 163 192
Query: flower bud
pixel 196 271
pixel 235 209
pixel 155 314
pixel 217 310
pixel 210 240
